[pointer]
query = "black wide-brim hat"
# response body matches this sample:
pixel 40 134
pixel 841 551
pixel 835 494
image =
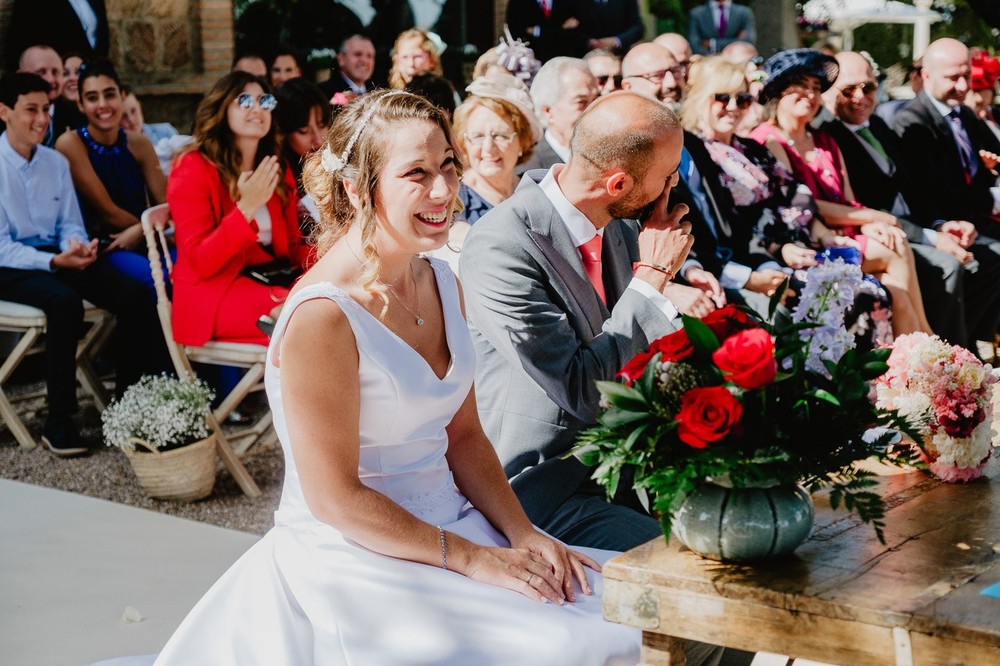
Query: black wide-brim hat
pixel 785 66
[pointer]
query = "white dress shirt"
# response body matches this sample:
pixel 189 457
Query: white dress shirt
pixel 581 230
pixel 38 207
pixel 88 19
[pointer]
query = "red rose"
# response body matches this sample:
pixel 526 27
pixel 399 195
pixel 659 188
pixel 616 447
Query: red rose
pixel 726 321
pixel 747 358
pixel 673 347
pixel 707 415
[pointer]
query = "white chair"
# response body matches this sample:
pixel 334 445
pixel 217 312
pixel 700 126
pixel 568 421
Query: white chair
pixel 156 223
pixel 30 323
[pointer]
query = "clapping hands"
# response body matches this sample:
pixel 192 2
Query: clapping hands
pixel 257 186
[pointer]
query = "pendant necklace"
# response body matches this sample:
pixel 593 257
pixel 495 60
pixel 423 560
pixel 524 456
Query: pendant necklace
pixel 416 297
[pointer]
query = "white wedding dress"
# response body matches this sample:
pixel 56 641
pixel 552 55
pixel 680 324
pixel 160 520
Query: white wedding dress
pixel 306 595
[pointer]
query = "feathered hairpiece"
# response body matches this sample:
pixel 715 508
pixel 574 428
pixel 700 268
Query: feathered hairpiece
pixel 985 71
pixel 515 56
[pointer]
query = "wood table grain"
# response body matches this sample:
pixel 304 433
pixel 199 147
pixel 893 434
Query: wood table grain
pixel 841 597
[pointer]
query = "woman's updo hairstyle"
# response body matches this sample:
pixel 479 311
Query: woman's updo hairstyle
pixel 356 150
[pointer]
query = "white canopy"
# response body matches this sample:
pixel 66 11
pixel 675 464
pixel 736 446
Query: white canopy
pixel 846 15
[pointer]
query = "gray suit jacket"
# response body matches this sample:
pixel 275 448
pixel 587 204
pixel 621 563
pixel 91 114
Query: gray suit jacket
pixel 702 26
pixel 543 337
pixel 544 157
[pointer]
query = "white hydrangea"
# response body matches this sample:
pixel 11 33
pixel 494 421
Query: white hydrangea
pixel 966 453
pixel 161 410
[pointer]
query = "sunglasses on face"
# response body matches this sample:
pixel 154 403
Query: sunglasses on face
pixel 266 102
pixel 866 88
pixel 603 80
pixel 743 99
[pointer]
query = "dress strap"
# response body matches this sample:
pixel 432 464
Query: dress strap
pixel 326 290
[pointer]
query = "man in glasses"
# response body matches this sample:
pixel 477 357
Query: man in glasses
pixel 606 68
pixel 957 271
pixel 652 70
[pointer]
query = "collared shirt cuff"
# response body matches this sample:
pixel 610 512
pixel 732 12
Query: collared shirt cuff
pixel 42 261
pixel 688 265
pixel 735 276
pixel 655 297
pixel 930 237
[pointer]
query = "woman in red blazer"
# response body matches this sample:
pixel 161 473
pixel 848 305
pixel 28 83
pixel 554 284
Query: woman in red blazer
pixel 233 202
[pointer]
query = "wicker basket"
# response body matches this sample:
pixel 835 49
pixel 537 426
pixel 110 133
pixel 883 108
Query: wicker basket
pixel 187 473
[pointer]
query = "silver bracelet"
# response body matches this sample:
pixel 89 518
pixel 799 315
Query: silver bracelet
pixel 444 548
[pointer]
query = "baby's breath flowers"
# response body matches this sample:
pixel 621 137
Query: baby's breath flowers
pixel 164 411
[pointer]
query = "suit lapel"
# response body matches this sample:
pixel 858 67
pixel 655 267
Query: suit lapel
pixel 616 263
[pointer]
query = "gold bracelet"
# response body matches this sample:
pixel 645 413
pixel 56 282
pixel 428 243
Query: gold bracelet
pixel 656 267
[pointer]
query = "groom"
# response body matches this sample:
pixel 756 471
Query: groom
pixel 554 305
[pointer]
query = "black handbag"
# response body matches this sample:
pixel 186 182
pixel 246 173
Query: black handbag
pixel 277 273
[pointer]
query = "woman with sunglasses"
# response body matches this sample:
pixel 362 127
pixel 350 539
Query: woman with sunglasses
pixel 796 80
pixel 233 201
pixel 116 172
pixel 769 214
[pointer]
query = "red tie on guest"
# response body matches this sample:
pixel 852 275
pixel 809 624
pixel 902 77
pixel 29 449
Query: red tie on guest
pixel 590 252
pixel 722 19
pixel 546 7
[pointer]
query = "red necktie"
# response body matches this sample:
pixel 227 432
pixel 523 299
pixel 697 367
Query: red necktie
pixel 590 252
pixel 546 7
pixel 722 20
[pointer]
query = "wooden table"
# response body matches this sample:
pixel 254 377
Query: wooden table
pixel 842 597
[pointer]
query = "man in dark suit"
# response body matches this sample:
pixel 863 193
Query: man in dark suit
pixel 551 27
pixel 943 145
pixel 718 23
pixel 68 27
pixel 609 24
pixel 561 90
pixel 956 270
pixel 355 65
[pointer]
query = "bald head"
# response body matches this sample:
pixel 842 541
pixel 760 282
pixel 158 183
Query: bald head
pixel 46 63
pixel 847 98
pixel 651 70
pixel 739 53
pixel 946 71
pixel 622 131
pixel 678 46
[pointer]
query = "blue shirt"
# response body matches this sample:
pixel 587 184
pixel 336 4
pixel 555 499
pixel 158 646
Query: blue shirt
pixel 38 207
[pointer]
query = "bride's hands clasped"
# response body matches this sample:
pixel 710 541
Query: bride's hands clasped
pixel 535 565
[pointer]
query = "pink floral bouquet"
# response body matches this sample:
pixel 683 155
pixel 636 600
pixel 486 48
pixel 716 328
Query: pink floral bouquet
pixel 947 391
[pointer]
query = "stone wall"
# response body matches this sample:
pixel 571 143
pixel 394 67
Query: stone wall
pixel 169 51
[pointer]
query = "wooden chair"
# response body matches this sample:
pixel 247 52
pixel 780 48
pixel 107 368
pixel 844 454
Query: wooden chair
pixel 156 223
pixel 30 323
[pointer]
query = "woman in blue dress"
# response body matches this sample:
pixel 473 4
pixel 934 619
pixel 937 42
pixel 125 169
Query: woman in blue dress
pixel 115 171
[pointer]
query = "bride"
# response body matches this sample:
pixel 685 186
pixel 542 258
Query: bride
pixel 398 539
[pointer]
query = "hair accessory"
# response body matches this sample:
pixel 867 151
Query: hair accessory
pixel 785 66
pixel 333 163
pixel 515 56
pixel 985 71
pixel 500 85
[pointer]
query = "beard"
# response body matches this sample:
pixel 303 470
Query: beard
pixel 633 207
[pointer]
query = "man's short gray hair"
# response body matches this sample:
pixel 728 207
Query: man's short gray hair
pixel 546 88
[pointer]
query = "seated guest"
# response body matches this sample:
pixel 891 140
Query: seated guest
pixel 753 224
pixel 957 271
pixel 937 132
pixel 413 53
pixel 679 48
pixel 797 79
pixel 651 69
pixel 234 203
pixel 165 138
pixel 251 63
pixel 355 65
pixel 561 91
pixel 606 68
pixel 46 63
pixel 303 117
pixel 70 95
pixel 285 65
pixel 115 171
pixel 47 261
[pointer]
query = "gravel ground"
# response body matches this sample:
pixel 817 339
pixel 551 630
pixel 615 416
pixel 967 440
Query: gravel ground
pixel 106 472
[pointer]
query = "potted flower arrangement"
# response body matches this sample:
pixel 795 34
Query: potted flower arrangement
pixel 161 424
pixel 948 391
pixel 719 422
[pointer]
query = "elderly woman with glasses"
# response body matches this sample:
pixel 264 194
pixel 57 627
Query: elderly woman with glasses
pixel 496 130
pixel 796 80
pixel 233 200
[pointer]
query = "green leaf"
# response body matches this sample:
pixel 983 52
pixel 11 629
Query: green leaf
pixel 852 387
pixel 647 383
pixel 634 436
pixel 623 396
pixel 775 301
pixel 874 369
pixel 823 394
pixel 615 418
pixel 701 336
